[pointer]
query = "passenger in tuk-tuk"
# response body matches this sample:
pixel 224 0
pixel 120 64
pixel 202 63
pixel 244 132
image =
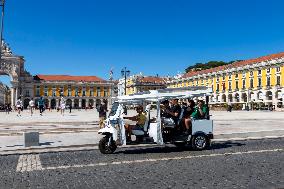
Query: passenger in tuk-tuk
pixel 187 115
pixel 165 107
pixel 174 111
pixel 140 119
pixel 201 110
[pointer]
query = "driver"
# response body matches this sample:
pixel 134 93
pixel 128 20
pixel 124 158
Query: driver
pixel 140 119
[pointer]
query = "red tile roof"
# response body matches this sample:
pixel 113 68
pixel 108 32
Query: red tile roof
pixel 69 78
pixel 151 79
pixel 235 64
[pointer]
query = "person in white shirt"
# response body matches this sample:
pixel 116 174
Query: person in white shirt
pixel 32 106
pixel 62 105
pixel 19 105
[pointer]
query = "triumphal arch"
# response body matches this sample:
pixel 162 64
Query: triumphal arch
pixel 14 66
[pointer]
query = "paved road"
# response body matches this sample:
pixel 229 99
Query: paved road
pixel 80 127
pixel 243 164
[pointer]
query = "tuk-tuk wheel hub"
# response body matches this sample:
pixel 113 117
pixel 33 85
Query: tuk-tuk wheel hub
pixel 200 141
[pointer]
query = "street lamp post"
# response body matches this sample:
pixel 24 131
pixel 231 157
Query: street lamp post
pixel 2 4
pixel 125 73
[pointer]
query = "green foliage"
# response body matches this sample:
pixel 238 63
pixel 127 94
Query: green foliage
pixel 208 65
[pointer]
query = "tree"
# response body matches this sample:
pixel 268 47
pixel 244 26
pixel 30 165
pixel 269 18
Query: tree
pixel 211 64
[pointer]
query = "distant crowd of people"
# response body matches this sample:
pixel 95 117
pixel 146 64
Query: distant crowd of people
pixel 42 107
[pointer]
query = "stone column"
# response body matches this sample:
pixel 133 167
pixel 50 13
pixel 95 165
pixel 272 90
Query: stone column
pixel 12 97
pixel 16 93
pixel 80 103
pixel 256 96
pixel 72 104
pixel 274 99
pixel 233 97
pixel 87 103
pixel 109 102
pixel 282 93
pixel 57 103
pixel 265 97
pixel 215 98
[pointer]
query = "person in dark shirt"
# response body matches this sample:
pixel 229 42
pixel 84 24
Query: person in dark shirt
pixel 187 116
pixel 41 105
pixel 165 106
pixel 102 109
pixel 174 111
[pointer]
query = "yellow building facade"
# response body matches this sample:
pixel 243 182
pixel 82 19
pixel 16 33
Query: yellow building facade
pixel 257 81
pixel 140 83
pixel 79 91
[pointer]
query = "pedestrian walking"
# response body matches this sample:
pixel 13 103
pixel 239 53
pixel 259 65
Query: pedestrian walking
pixel 32 106
pixel 70 108
pixel 102 109
pixel 7 108
pixel 229 107
pixel 62 105
pixel 41 105
pixel 19 105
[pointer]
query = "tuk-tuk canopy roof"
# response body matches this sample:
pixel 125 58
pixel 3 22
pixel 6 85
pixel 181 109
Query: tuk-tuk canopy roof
pixel 168 93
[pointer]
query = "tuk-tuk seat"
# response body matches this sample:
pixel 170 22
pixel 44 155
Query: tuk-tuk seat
pixel 169 122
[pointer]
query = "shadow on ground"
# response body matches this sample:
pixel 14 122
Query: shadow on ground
pixel 171 148
pixel 228 144
pixel 46 143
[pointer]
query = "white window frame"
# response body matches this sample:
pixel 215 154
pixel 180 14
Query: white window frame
pixel 45 92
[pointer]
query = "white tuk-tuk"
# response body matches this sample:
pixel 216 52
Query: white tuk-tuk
pixel 159 130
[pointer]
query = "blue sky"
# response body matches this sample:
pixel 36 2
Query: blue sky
pixel 89 37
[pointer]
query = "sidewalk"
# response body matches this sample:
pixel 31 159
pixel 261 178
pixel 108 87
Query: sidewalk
pixel 73 136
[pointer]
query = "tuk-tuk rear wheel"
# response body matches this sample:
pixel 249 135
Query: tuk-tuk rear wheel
pixel 105 147
pixel 200 142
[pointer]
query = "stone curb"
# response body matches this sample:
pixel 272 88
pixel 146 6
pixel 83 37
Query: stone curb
pixel 35 150
pixel 218 138
pixel 44 132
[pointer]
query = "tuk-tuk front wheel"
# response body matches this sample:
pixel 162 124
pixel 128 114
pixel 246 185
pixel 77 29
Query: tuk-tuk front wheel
pixel 200 142
pixel 107 145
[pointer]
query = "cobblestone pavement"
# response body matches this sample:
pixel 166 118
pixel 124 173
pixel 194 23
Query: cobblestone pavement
pixel 240 164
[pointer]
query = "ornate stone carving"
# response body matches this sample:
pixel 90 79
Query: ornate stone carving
pixel 9 68
pixel 6 50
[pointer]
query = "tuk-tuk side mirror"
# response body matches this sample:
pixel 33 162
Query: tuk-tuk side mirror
pixel 125 111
